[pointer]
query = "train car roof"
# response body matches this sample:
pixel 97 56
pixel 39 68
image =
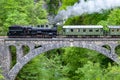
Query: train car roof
pixel 40 28
pixel 114 26
pixel 83 26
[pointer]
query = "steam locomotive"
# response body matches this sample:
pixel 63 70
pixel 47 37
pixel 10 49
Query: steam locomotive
pixel 50 31
pixel 41 31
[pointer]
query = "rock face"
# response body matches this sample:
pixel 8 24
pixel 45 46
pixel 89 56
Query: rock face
pixel 50 16
pixel 53 7
pixel 45 45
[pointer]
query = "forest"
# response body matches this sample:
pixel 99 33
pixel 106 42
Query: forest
pixel 69 63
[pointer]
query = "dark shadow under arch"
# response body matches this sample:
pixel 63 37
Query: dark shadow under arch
pixel 14 71
pixel 25 49
pixel 12 50
pixel 117 50
pixel 107 47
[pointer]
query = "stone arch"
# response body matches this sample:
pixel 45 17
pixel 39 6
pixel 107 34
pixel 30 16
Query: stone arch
pixel 14 71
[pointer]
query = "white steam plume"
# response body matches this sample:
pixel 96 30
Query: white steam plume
pixel 89 7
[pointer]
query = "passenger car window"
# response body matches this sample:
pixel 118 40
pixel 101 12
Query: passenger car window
pixel 71 30
pixel 42 26
pixel 97 30
pixel 112 30
pixel 84 30
pixel 118 30
pixel 47 26
pixel 90 30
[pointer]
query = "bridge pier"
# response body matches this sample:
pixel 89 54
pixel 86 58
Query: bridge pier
pixel 5 58
pixel 19 52
pixel 112 50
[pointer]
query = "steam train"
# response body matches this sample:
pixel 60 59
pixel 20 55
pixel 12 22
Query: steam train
pixel 41 31
pixel 51 31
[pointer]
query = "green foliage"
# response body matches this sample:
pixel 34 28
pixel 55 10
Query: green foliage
pixel 1 76
pixel 107 47
pixel 16 18
pixel 25 49
pixel 37 14
pixel 112 73
pixel 73 21
pixel 104 24
pixel 21 12
pixel 53 6
pixel 59 29
pixel 117 50
pixel 64 64
pixel 41 68
pixel 114 17
pixel 90 71
pixel 66 3
pixel 12 50
pixel 93 71
pixel 87 19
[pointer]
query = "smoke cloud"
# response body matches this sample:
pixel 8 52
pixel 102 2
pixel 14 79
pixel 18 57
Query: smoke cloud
pixel 89 7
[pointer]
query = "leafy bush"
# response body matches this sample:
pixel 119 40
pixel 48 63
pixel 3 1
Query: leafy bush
pixel 1 76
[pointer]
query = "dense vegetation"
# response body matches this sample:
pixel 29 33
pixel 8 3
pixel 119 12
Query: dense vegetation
pixel 70 64
pixel 21 12
pixel 65 63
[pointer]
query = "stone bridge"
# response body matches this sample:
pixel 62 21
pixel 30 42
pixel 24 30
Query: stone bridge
pixel 44 45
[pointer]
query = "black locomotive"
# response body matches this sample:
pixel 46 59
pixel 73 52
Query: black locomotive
pixel 41 31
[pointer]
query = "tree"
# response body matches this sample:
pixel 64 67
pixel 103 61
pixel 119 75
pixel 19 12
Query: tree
pixel 104 24
pixel 21 12
pixel 38 14
pixel 112 73
pixel 90 71
pixel 42 68
pixel 66 3
pixel 64 64
pixel 16 18
pixel 7 7
pixel 53 6
pixel 114 17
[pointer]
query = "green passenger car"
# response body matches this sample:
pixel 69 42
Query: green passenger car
pixel 114 30
pixel 83 30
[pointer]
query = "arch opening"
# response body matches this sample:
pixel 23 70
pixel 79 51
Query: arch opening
pixel 37 46
pixel 48 63
pixel 117 50
pixel 12 50
pixel 25 49
pixel 107 47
